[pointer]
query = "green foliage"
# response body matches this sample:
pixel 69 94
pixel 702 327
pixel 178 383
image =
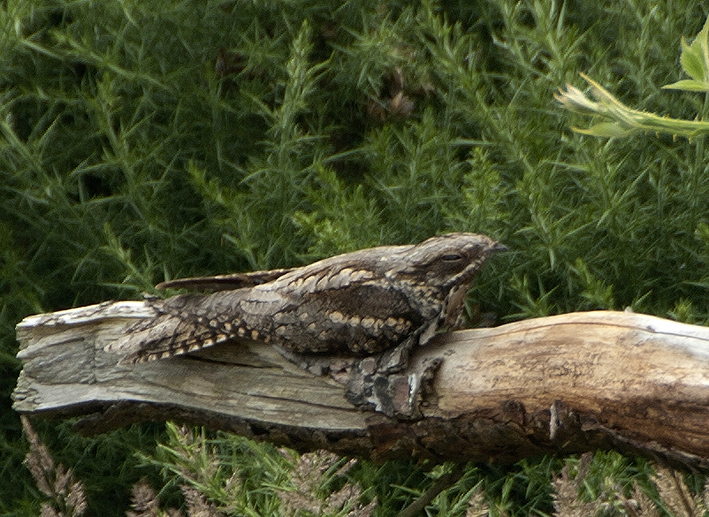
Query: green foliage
pixel 143 140
pixel 695 62
pixel 625 121
pixel 244 478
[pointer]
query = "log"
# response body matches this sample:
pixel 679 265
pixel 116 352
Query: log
pixel 556 385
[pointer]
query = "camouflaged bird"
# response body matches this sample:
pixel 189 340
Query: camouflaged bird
pixel 358 304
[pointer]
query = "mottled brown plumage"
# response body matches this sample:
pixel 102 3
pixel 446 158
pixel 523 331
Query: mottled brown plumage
pixel 359 303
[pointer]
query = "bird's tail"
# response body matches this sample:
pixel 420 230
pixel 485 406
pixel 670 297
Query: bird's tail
pixel 181 325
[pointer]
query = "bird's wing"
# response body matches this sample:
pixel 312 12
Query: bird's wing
pixel 225 282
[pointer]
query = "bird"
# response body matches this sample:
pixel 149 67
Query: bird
pixel 356 304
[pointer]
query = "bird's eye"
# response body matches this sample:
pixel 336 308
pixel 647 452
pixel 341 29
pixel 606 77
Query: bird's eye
pixel 451 258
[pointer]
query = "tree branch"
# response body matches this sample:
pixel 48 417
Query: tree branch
pixel 563 384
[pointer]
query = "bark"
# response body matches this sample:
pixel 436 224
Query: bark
pixel 562 384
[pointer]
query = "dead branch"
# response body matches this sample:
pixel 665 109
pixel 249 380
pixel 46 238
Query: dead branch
pixel 563 384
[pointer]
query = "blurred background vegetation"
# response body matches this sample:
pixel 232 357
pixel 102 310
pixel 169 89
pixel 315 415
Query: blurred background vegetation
pixel 149 139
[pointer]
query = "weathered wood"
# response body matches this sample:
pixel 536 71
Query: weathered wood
pixel 561 384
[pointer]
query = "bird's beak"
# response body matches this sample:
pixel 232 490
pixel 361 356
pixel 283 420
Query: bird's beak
pixel 498 247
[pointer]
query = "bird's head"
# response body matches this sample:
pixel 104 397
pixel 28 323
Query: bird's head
pixel 449 260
